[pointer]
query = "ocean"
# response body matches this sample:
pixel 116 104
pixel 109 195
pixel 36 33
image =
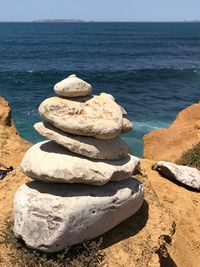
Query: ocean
pixel 152 69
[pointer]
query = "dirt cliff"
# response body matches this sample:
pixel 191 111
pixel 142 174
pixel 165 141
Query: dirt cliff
pixel 183 204
pixel 12 146
pixel 169 143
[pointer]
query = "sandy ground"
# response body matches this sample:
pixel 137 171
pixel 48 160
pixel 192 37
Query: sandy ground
pixel 184 204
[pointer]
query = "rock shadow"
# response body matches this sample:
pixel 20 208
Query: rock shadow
pixel 52 147
pixel 127 228
pixel 78 190
pixel 176 182
pixel 82 138
pixel 81 99
pixel 166 261
pixel 3 175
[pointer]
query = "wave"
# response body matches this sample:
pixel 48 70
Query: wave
pixel 146 126
pixel 60 70
pixel 128 75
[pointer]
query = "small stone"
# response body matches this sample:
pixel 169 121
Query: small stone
pixel 99 116
pixel 72 86
pixel 51 217
pixel 48 161
pixel 107 95
pixel 91 147
pixel 186 175
pixel 127 126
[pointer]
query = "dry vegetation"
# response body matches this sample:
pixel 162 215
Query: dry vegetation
pixel 191 157
pixel 87 254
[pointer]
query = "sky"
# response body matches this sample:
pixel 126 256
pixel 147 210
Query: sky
pixel 100 10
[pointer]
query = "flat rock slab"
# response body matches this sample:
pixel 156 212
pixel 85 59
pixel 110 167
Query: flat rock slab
pixel 90 147
pixel 99 116
pixel 72 86
pixel 53 217
pixel 48 161
pixel 183 174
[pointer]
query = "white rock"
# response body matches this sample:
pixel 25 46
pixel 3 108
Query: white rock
pixel 123 110
pixel 48 161
pixel 72 86
pixel 184 174
pixel 107 95
pixel 112 149
pixel 111 97
pixel 51 217
pixel 127 126
pixel 99 116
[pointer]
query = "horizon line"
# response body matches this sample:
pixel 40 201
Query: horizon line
pixel 95 21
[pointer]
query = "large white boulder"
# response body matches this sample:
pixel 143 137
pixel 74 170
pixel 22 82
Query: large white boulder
pixel 183 174
pixel 48 161
pixel 99 116
pixel 52 217
pixel 72 86
pixel 112 149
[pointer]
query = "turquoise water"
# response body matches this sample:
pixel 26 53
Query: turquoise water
pixel 152 69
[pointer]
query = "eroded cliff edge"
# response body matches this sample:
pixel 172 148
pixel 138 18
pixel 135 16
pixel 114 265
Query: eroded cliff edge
pixel 169 143
pixel 12 146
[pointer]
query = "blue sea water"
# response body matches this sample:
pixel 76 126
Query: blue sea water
pixel 152 69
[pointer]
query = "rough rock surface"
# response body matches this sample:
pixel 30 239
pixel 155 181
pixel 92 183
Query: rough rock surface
pixel 90 147
pixel 12 147
pixel 64 215
pixel 99 116
pixel 48 161
pixel 169 144
pixel 183 174
pixel 72 86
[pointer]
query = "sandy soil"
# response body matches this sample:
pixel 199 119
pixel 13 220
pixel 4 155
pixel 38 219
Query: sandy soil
pixel 141 240
pixel 184 204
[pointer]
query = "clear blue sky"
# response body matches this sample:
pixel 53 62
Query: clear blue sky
pixel 100 10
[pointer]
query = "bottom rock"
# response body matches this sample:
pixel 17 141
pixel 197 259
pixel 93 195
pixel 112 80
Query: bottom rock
pixel 51 217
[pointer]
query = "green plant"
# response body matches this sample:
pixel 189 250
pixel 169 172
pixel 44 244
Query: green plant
pixel 191 157
pixel 87 254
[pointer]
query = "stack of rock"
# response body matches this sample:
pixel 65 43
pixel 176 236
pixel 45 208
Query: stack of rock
pixel 84 186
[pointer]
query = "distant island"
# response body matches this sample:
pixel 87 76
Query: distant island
pixel 192 21
pixel 60 21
